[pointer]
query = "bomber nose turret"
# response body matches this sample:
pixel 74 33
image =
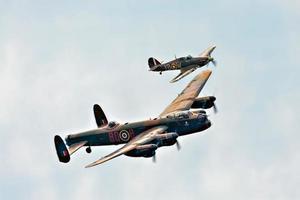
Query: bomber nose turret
pixel 213 98
pixel 207 123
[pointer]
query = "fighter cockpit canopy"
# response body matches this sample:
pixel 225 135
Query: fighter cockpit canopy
pixel 189 57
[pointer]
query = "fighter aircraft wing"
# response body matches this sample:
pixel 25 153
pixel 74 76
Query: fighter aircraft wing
pixel 186 98
pixel 143 138
pixel 208 51
pixel 182 74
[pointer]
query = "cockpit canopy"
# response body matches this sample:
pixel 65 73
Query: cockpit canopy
pixel 189 57
pixel 180 115
pixel 112 124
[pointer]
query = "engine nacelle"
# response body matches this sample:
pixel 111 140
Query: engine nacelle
pixel 167 139
pixel 204 102
pixel 147 150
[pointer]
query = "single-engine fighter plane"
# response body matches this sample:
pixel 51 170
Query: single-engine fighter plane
pixel 143 138
pixel 186 65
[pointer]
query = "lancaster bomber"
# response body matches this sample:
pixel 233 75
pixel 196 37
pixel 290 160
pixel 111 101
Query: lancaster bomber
pixel 143 138
pixel 186 65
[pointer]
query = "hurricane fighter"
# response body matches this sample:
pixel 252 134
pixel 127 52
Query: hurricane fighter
pixel 186 65
pixel 143 138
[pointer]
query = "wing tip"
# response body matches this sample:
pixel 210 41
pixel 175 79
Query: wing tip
pixel 90 165
pixel 173 81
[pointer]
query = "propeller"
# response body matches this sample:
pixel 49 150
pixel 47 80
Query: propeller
pixel 154 158
pixel 178 148
pixel 178 145
pixel 214 62
pixel 215 108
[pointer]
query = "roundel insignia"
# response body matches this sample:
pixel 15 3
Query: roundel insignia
pixel 124 135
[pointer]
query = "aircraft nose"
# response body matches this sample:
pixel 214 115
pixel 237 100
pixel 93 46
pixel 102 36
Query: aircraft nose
pixel 208 123
pixel 213 98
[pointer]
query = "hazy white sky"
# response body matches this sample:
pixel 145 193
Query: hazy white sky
pixel 59 58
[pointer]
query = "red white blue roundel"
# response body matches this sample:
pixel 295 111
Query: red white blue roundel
pixel 124 135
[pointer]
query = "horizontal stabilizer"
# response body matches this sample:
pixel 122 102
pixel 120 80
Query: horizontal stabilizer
pixel 74 147
pixel 61 149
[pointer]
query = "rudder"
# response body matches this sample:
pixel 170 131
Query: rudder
pixel 100 117
pixel 153 62
pixel 61 149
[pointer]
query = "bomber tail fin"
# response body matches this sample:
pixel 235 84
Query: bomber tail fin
pixel 61 149
pixel 153 62
pixel 100 117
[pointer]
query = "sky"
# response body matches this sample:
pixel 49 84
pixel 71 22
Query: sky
pixel 58 58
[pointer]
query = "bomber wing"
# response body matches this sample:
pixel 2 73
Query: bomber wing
pixel 186 98
pixel 182 74
pixel 141 139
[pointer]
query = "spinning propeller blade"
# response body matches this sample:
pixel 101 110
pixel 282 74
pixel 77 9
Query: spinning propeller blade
pixel 215 108
pixel 214 62
pixel 178 145
pixel 154 158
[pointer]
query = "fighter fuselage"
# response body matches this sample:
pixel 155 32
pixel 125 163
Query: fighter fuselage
pixel 182 63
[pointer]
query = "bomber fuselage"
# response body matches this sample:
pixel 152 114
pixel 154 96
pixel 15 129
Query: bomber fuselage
pixel 122 133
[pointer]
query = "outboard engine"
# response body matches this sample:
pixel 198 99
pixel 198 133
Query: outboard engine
pixel 147 150
pixel 204 102
pixel 167 139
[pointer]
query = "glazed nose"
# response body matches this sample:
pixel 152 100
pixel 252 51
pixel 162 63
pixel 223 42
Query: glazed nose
pixel 213 98
pixel 208 123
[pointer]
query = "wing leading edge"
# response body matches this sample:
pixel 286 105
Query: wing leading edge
pixel 141 139
pixel 186 98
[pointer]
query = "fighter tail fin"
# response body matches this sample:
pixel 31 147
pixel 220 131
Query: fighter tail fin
pixel 153 62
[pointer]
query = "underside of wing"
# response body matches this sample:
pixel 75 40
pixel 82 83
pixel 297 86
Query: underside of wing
pixel 141 139
pixel 182 74
pixel 186 98
pixel 112 155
